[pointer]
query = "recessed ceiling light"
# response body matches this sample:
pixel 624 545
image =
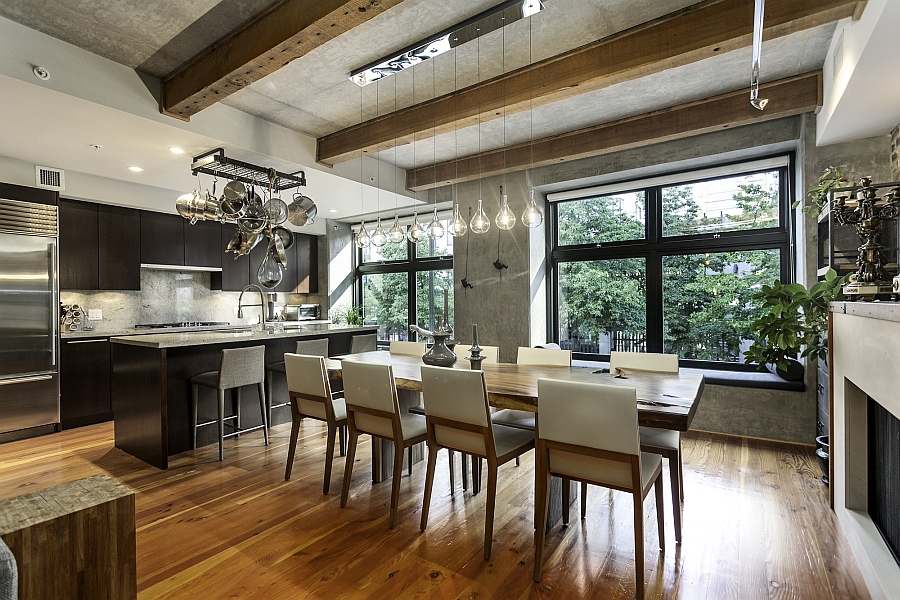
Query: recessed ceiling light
pixel 175 150
pixel 332 210
pixel 135 169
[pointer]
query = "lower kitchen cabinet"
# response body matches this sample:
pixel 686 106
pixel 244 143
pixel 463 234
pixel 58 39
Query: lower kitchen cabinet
pixel 85 375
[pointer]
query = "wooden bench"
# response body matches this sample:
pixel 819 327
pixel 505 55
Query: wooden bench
pixel 74 540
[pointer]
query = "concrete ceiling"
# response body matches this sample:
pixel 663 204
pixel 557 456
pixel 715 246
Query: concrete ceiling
pixel 154 37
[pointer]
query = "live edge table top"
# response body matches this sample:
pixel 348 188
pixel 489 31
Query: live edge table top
pixel 665 400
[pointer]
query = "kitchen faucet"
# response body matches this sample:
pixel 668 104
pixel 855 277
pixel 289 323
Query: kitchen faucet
pixel 261 305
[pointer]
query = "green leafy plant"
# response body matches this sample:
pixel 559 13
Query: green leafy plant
pixel 344 314
pixel 796 321
pixel 817 195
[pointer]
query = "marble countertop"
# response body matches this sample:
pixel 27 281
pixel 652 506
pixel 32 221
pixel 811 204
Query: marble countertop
pixel 66 335
pixel 202 338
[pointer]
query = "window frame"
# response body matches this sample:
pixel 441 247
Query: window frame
pixel 412 265
pixel 655 246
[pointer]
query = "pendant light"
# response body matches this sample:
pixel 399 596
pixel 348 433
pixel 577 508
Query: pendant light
pixel 480 222
pixel 458 226
pixel 435 228
pixel 416 232
pixel 362 236
pixel 506 218
pixel 270 272
pixel 379 236
pixel 532 217
pixel 396 233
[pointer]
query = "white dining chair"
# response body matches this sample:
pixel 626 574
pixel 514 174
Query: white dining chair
pixel 407 348
pixel 665 442
pixel 588 432
pixel 458 418
pixel 373 408
pixel 524 419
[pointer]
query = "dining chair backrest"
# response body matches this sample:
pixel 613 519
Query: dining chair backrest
pixel 307 379
pixel 313 347
pixel 408 348
pixel 457 396
pixel 370 387
pixel 242 366
pixel 594 416
pixel 364 343
pixel 548 346
pixel 540 356
pixel 643 361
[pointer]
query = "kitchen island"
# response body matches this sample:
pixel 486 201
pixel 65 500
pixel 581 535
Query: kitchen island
pixel 151 384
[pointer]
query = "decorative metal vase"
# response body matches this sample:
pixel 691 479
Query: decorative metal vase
pixel 867 214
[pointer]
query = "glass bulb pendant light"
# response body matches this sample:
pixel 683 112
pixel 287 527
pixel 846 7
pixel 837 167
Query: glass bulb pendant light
pixel 480 222
pixel 379 236
pixel 416 232
pixel 362 237
pixel 396 233
pixel 506 218
pixel 435 228
pixel 458 225
pixel 269 272
pixel 532 217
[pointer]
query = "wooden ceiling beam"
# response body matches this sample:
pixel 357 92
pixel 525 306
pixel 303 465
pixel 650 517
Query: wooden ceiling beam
pixel 787 97
pixel 700 31
pixel 259 47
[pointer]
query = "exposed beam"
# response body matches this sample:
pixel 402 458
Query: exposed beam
pixel 697 32
pixel 262 45
pixel 787 97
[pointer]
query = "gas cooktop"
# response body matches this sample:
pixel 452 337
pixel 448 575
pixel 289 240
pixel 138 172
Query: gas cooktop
pixel 182 324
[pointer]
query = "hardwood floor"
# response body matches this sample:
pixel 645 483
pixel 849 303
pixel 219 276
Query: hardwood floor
pixel 756 525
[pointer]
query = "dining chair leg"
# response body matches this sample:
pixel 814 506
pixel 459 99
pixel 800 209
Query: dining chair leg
pixel 295 433
pixel 517 461
pixel 660 513
pixel 262 411
pixel 352 438
pixel 195 398
pixel 329 457
pixel 342 440
pixel 395 484
pixel 675 479
pixel 452 470
pixel 489 509
pixel 409 461
pixel 221 423
pixel 680 472
pixel 464 461
pixel 542 505
pixel 476 474
pixel 583 499
pixel 270 385
pixel 566 499
pixel 638 543
pixel 429 483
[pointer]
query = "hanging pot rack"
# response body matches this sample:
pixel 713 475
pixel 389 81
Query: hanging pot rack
pixel 217 164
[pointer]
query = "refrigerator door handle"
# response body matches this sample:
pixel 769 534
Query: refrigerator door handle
pixel 13 380
pixel 54 304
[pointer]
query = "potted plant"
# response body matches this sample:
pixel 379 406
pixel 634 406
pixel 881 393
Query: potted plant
pixel 795 324
pixel 817 195
pixel 350 315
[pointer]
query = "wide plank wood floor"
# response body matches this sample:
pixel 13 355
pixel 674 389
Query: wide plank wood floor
pixel 756 525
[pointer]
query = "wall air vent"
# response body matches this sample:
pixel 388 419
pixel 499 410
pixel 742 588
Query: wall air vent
pixel 49 178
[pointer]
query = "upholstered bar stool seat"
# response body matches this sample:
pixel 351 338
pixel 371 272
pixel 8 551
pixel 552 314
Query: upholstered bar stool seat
pixel 238 367
pixel 364 343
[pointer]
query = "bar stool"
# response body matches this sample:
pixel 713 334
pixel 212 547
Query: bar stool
pixel 364 343
pixel 306 347
pixel 238 367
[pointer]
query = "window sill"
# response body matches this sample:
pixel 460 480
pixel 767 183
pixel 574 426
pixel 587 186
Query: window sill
pixel 742 379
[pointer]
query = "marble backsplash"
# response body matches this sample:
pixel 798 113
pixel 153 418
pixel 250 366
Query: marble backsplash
pixel 165 297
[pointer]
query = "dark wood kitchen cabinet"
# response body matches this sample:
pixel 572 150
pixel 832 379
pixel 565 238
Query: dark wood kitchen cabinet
pixel 78 248
pixel 202 244
pixel 119 244
pixel 162 239
pixel 306 248
pixel 85 376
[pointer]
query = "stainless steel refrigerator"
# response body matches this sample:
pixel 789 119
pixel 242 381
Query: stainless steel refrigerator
pixel 29 317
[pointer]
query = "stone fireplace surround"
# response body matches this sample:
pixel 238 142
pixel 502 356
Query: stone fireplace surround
pixel 864 362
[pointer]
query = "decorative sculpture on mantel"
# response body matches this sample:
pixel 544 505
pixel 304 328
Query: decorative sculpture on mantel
pixel 440 354
pixel 867 214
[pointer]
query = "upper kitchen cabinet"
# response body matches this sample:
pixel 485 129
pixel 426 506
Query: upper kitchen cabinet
pixel 22 193
pixel 78 248
pixel 162 239
pixel 306 248
pixel 202 244
pixel 119 242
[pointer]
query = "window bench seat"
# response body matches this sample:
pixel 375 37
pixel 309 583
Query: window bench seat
pixel 743 379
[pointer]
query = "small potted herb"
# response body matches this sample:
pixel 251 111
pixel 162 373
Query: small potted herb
pixel 817 195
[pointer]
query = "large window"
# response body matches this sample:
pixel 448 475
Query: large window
pixel 405 283
pixel 669 264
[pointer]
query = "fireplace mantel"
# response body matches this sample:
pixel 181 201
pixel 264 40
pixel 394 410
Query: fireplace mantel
pixel 864 361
